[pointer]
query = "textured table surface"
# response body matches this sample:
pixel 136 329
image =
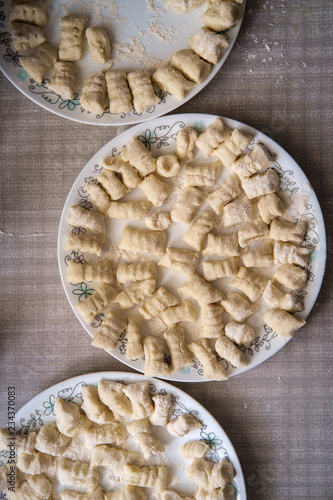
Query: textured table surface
pixel 278 79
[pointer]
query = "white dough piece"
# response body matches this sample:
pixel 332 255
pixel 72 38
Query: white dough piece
pixel 135 293
pixel 213 270
pixel 154 350
pixel 291 276
pixel 184 5
pixel 204 174
pixel 172 80
pixel 36 487
pixel 112 395
pixel 180 356
pixel 142 90
pixel 112 458
pixel 198 288
pixel 270 206
pixel 99 44
pixel 232 147
pixel 210 475
pixel 249 283
pixel 197 232
pixel 227 350
pixel 168 165
pixel 103 297
pixel 209 45
pixel 127 492
pixel 155 190
pixel 96 494
pixel 63 79
pixel 176 314
pixel 139 396
pixel 189 202
pixel 26 36
pixel 93 407
pixel 183 261
pixel 100 198
pixel 40 61
pixel 253 232
pixel 252 162
pixel 224 193
pixel 138 155
pixel 277 299
pixel 86 243
pixel 158 221
pixel 153 476
pixel 100 271
pixel 261 184
pixel 93 95
pixel 72 37
pixel 281 230
pixel 287 253
pixel 77 474
pixel 222 15
pixel 211 321
pixel 27 11
pixel 115 188
pixel 282 322
pixel 34 464
pixel 191 65
pixel 194 449
pixel 172 495
pixel 129 174
pixel 134 349
pixel 70 420
pixel 237 211
pixel 162 405
pixel 136 272
pixel 211 368
pixel 118 91
pixel 238 307
pixel 142 240
pixel 216 133
pixel 50 440
pixel 185 141
pixel 86 219
pixel 157 302
pixel 136 210
pixel 182 425
pixel 107 334
pixel 223 245
pixel 149 444
pixel 239 333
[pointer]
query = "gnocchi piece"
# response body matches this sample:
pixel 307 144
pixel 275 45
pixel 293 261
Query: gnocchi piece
pixel 93 95
pixel 232 147
pixel 270 206
pixel 281 230
pixel 26 36
pixel 108 333
pixel 127 492
pixel 136 272
pixel 36 487
pixel 27 11
pixel 70 420
pixel 197 232
pixel 149 444
pixel 75 451
pixel 277 299
pixel 99 271
pixel 286 253
pixel 183 261
pixel 40 61
pixel 103 297
pixel 249 283
pixel 222 15
pixel 157 302
pixel 253 232
pixel 209 45
pixel 99 44
pixel 162 405
pixel 77 474
pixel 211 368
pixel 129 174
pixel 153 476
pixel 191 65
pixel 112 395
pixel 172 495
pixel 185 142
pixel 172 80
pixel 142 240
pixel 168 165
pixel 180 356
pixel 198 288
pixel 100 198
pixel 155 190
pixel 261 184
pixel 240 334
pixel 154 350
pixel 34 464
pixel 112 458
pixel 139 396
pixel 204 174
pixel 282 322
pixel 176 314
pixel 194 449
pixel 144 97
pixel 227 350
pixel 211 321
pixel 238 307
pixel 183 5
pixel 223 245
pixel 213 136
pixel 227 493
pixel 291 276
pixel 118 92
pixel 252 162
pixel 138 155
pixel 72 37
pixel 158 221
pixel 87 243
pixel 134 349
pixel 224 193
pixel 237 211
pixel 50 440
pixel 188 205
pixel 210 475
pixel 92 221
pixel 182 425
pixel 97 494
pixel 128 210
pixel 213 270
pixel 135 293
pixel 93 407
pixel 63 79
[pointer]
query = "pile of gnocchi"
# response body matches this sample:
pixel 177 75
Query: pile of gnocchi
pixel 188 67
pixel 88 450
pixel 234 230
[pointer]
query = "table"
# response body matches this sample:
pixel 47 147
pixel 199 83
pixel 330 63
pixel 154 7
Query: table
pixel 278 415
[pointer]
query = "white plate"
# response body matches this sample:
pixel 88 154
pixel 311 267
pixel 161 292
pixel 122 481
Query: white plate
pixel 40 411
pixel 159 135
pixel 134 19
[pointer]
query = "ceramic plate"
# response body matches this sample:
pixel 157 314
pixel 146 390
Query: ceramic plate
pixel 144 34
pixel 40 411
pixel 159 136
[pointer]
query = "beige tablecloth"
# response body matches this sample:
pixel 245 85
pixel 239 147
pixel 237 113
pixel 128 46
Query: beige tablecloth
pixel 278 79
